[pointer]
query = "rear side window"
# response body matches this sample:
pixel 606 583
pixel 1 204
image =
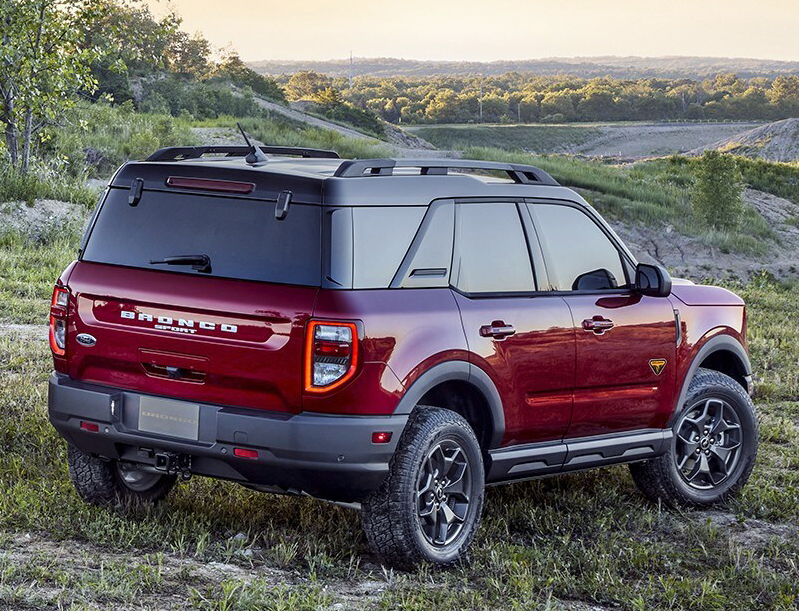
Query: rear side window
pixel 241 237
pixel 380 239
pixel 580 256
pixel 493 254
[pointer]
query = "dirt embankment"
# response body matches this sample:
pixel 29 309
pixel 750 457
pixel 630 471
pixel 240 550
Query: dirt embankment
pixel 640 140
pixel 691 258
pixel 778 141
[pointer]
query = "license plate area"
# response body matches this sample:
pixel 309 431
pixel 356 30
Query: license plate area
pixel 170 418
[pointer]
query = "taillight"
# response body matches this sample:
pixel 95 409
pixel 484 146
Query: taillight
pixel 59 312
pixel 331 354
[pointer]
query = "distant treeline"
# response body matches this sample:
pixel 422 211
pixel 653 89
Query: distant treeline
pixel 516 97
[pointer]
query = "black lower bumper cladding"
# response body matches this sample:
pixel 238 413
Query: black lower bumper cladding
pixel 327 456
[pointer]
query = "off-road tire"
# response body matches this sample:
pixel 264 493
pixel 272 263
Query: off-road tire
pixel 98 482
pixel 390 516
pixel 659 479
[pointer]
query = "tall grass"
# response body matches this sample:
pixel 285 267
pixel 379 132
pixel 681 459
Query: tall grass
pixel 44 183
pixel 284 132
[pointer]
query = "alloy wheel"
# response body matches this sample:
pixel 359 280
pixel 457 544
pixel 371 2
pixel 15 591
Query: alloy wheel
pixel 443 493
pixel 708 444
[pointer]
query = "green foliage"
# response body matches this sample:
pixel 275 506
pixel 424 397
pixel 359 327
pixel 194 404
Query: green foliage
pixel 716 196
pixel 28 187
pixel 528 98
pixel 236 71
pixel 44 61
pixel 306 85
pixel 95 139
pixel 175 95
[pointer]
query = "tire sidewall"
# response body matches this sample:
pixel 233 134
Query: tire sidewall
pixel 455 549
pixel 739 402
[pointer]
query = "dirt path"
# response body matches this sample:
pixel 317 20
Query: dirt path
pixel 28 332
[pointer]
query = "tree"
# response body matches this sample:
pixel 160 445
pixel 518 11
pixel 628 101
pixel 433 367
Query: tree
pixel 43 62
pixel 234 69
pixel 306 84
pixel 716 195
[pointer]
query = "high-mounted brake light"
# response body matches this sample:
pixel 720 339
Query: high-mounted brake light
pixel 331 354
pixel 208 184
pixel 59 313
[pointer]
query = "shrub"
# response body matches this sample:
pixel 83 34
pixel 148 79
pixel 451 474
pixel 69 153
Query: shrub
pixel 716 196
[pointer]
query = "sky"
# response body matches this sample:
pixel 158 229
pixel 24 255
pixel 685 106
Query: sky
pixel 470 30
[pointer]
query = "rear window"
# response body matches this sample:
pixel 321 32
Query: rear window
pixel 241 237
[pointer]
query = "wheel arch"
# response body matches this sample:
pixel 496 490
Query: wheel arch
pixel 465 389
pixel 722 353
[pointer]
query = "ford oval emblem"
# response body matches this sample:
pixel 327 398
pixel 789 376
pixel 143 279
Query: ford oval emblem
pixel 85 339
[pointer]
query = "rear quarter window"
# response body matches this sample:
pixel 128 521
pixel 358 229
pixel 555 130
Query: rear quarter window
pixel 240 236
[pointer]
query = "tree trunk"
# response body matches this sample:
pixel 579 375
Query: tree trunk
pixel 7 116
pixel 27 136
pixel 10 127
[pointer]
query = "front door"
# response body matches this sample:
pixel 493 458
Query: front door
pixel 626 342
pixel 523 341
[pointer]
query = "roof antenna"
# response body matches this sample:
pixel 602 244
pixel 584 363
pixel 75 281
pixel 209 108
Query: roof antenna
pixel 256 156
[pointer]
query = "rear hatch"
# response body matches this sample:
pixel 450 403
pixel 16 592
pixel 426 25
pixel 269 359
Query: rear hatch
pixel 230 333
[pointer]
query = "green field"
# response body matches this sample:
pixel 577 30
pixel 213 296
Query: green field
pixel 532 138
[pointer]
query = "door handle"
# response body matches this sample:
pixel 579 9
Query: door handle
pixel 497 329
pixel 598 325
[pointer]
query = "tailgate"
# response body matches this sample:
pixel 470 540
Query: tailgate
pixel 213 340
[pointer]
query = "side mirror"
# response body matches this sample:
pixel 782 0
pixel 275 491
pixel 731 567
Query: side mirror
pixel 652 280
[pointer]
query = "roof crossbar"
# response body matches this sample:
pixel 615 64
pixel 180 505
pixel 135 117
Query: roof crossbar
pixel 520 174
pixel 182 153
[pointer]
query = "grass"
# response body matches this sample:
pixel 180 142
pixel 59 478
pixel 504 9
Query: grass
pixel 651 193
pixel 44 184
pixel 527 138
pixel 587 537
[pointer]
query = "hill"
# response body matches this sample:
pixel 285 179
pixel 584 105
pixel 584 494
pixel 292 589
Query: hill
pixel 587 67
pixel 777 141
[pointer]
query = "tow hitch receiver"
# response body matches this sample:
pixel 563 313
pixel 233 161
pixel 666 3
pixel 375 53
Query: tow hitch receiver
pixel 174 464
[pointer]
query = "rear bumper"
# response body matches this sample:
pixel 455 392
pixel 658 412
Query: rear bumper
pixel 331 457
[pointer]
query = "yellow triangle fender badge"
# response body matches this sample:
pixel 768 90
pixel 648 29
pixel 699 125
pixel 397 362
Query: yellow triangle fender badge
pixel 657 365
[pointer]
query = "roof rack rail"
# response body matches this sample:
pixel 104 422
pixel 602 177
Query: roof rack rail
pixel 520 174
pixel 181 153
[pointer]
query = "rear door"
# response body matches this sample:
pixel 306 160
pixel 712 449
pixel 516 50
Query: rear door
pixel 523 341
pixel 626 341
pixel 232 335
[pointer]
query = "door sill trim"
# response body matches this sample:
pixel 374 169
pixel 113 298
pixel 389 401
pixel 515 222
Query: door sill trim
pixel 536 459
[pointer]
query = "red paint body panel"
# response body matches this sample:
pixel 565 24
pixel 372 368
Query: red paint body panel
pixel 406 332
pixel 258 366
pixel 616 389
pixel 555 379
pixel 533 369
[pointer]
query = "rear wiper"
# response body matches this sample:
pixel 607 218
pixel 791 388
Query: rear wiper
pixel 202 263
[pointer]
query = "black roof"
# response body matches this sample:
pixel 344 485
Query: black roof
pixel 304 172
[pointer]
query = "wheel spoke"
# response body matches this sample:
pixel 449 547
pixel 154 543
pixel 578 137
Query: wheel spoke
pixel 442 528
pixel 700 466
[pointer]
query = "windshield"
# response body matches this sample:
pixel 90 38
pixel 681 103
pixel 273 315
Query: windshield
pixel 241 237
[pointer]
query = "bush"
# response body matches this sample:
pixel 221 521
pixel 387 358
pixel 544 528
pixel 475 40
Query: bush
pixel 95 139
pixel 203 100
pixel 716 196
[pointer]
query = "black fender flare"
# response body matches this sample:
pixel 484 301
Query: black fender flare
pixel 461 371
pixel 714 344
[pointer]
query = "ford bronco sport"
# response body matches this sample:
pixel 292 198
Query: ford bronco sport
pixel 390 334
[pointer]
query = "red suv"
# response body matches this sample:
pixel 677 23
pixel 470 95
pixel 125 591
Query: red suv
pixel 390 334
